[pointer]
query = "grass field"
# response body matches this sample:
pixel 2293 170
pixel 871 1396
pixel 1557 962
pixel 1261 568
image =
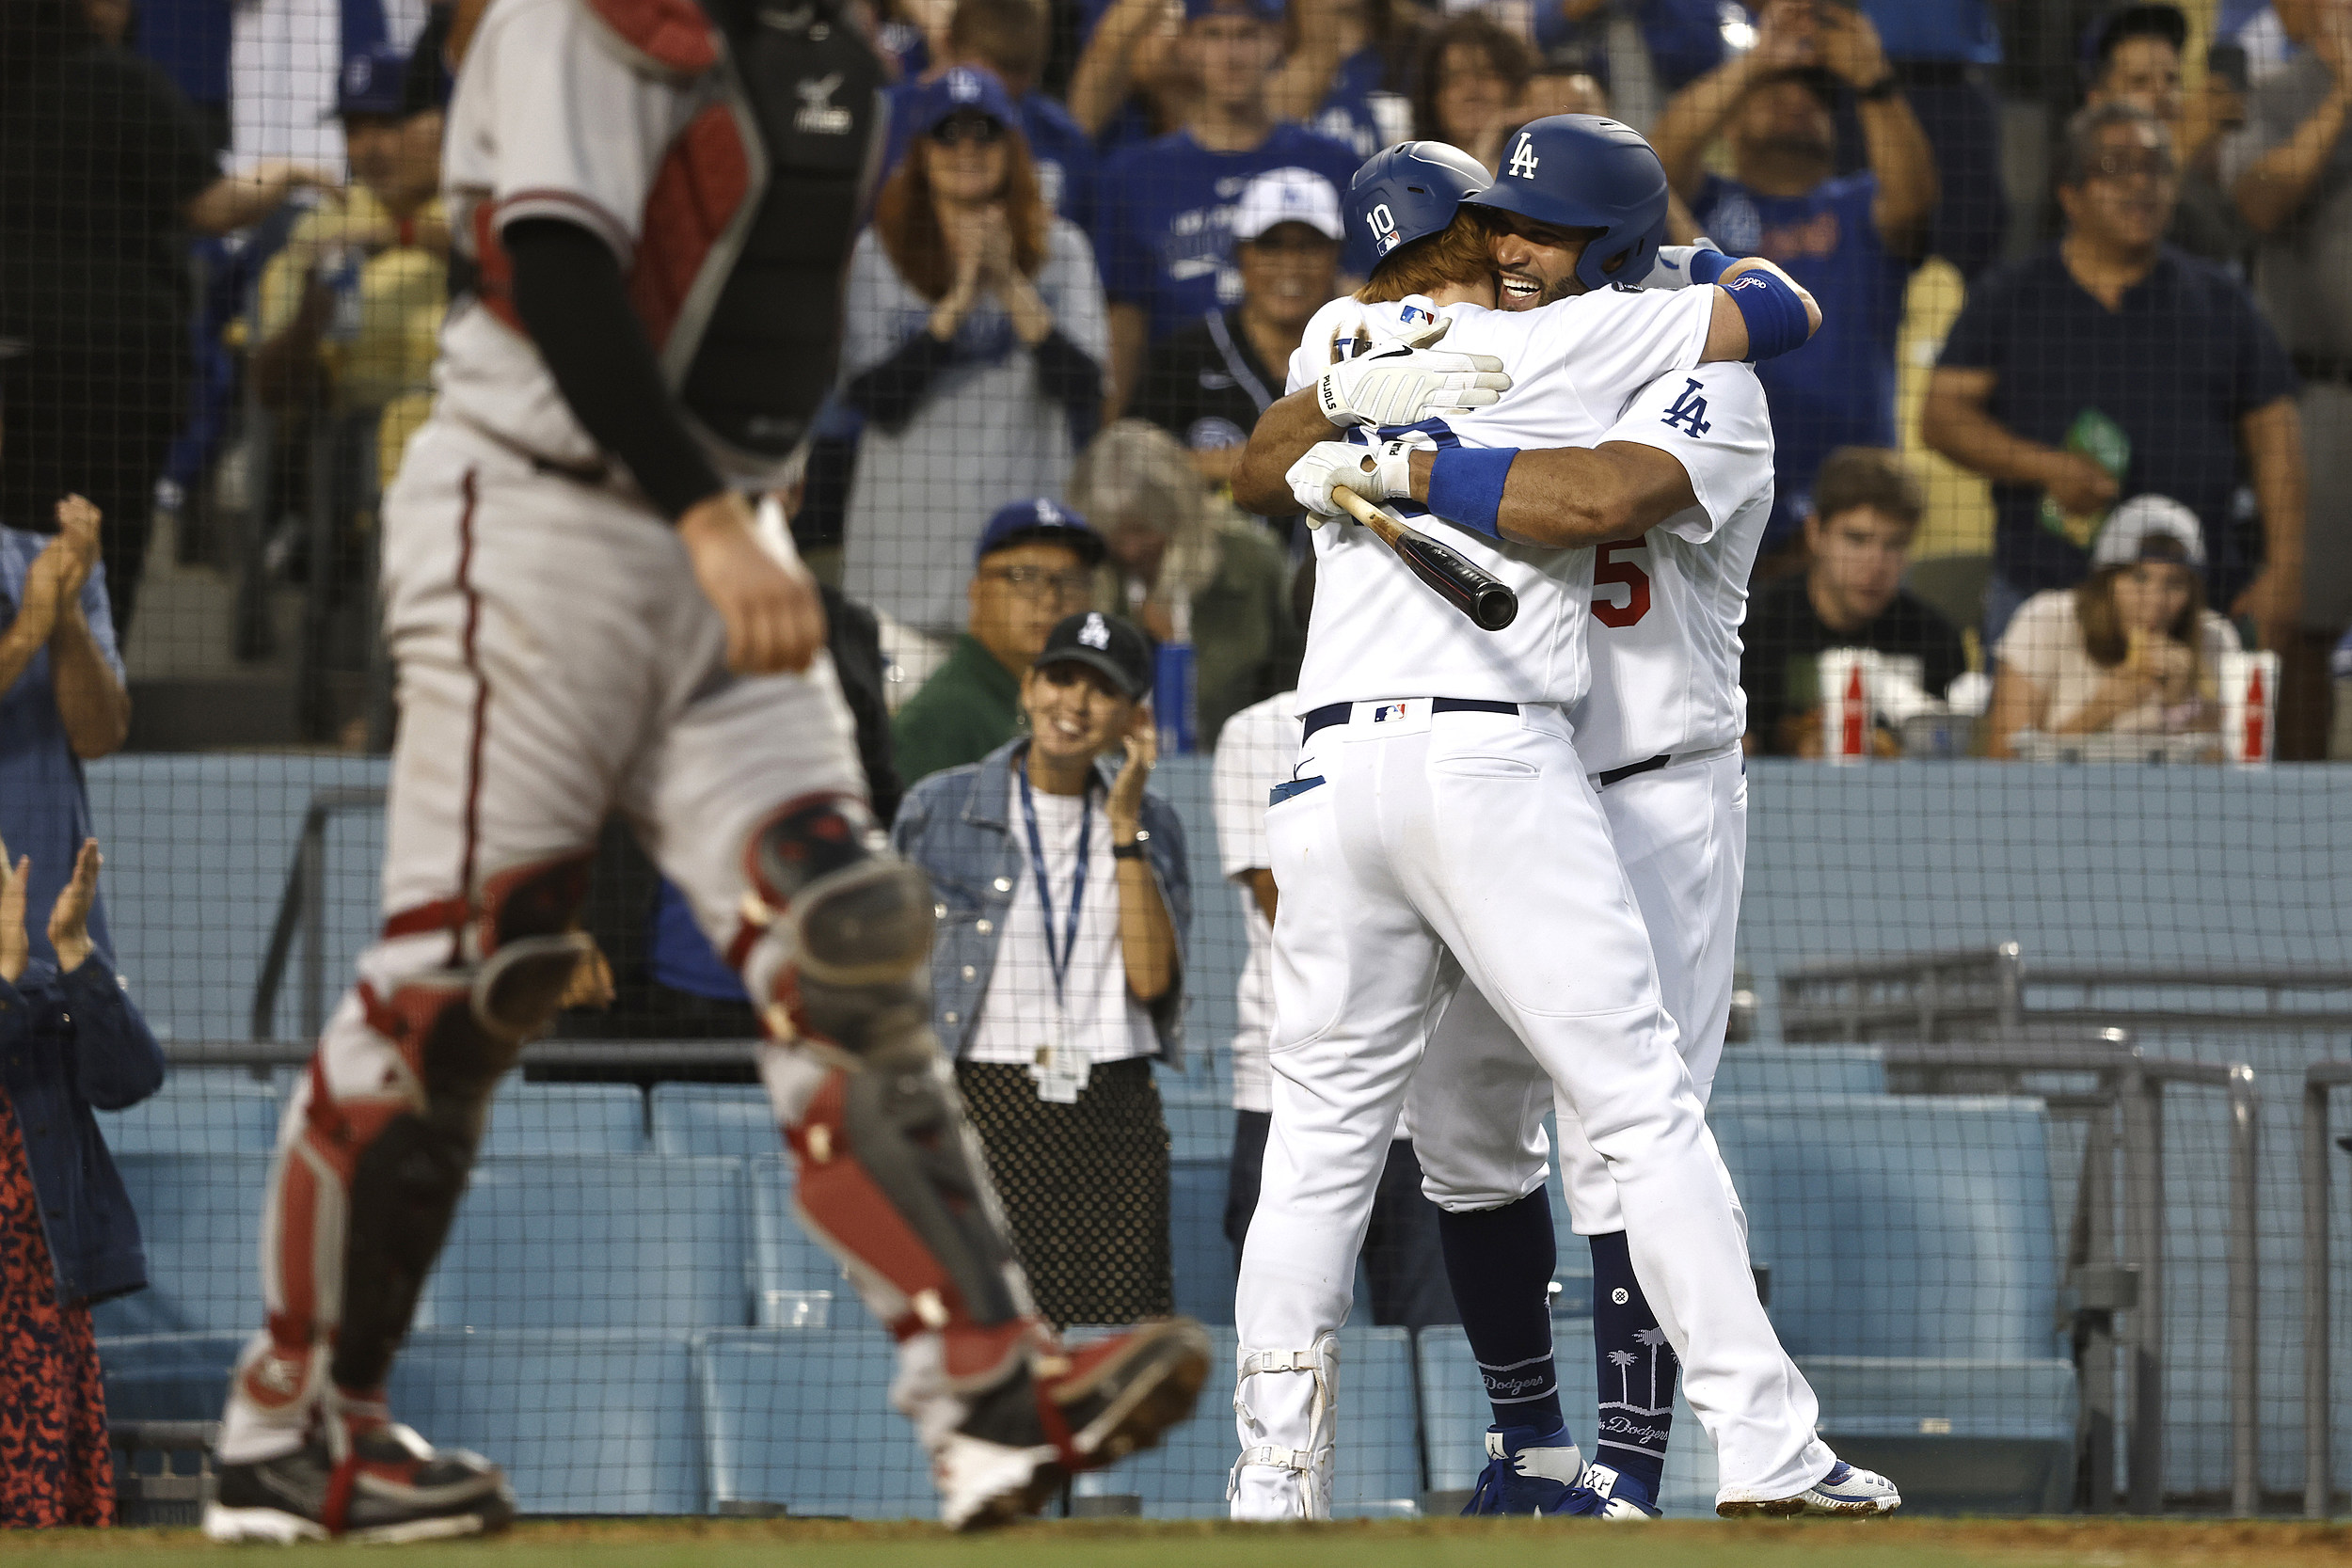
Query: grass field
pixel 1421 1544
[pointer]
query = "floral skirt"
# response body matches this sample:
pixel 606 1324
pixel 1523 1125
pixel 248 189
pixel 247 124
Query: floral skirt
pixel 55 1468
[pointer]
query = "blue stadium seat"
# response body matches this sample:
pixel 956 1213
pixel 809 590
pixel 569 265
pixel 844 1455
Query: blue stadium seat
pixel 198 1110
pixel 733 1120
pixel 1200 1120
pixel 594 1241
pixel 795 1282
pixel 1900 1226
pixel 583 1421
pixel 1202 1257
pixel 1958 1436
pixel 1456 1416
pixel 200 1217
pixel 168 1377
pixel 1801 1069
pixel 803 1419
pixel 565 1119
pixel 1379 1460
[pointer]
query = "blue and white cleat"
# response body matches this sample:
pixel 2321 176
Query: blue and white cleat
pixel 1527 1471
pixel 1605 1493
pixel 1846 1492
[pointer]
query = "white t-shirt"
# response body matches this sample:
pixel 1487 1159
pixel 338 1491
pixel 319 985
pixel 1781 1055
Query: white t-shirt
pixel 1099 1020
pixel 546 121
pixel 1378 631
pixel 2045 644
pixel 1667 607
pixel 1257 750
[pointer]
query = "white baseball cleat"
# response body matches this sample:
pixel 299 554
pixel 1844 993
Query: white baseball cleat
pixel 1846 1492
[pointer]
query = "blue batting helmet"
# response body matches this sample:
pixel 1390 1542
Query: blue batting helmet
pixel 1405 194
pixel 1582 172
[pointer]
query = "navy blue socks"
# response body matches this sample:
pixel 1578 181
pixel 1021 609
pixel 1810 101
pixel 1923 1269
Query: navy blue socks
pixel 1637 1367
pixel 1500 1262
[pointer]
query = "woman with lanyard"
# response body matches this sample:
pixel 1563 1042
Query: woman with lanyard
pixel 1057 974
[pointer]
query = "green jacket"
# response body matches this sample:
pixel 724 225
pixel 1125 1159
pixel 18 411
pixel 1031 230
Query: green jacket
pixel 1246 645
pixel 970 706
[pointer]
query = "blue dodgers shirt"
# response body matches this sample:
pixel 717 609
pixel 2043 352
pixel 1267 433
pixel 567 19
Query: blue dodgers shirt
pixel 44 809
pixel 1957 31
pixel 1164 212
pixel 1839 388
pixel 1061 153
pixel 2182 358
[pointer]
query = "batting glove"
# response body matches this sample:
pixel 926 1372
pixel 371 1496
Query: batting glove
pixel 1406 381
pixel 1376 473
pixel 1674 267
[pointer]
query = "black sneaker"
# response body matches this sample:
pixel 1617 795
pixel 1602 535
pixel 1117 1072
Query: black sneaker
pixel 392 1486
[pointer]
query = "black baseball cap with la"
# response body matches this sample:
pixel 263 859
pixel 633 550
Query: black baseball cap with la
pixel 1117 648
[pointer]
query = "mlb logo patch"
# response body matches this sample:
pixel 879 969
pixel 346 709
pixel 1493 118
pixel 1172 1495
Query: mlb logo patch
pixel 1387 712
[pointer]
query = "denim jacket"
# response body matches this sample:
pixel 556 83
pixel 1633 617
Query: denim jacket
pixel 68 1043
pixel 955 825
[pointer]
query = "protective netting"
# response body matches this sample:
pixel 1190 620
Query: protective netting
pixel 2043 949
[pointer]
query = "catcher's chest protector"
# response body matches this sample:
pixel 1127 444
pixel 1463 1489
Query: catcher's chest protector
pixel 748 226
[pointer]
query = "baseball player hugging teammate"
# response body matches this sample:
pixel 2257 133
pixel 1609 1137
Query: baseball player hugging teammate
pixel 1605 452
pixel 655 209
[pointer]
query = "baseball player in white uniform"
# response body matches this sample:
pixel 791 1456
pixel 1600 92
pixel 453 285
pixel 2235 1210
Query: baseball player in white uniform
pixel 587 620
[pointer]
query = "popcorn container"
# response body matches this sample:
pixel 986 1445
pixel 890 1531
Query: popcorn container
pixel 1846 711
pixel 2249 708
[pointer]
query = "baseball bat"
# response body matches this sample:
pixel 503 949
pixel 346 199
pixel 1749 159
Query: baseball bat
pixel 1468 588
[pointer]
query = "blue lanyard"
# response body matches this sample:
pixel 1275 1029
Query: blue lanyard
pixel 1060 962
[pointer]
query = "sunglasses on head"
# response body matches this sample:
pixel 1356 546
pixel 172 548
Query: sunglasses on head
pixel 956 129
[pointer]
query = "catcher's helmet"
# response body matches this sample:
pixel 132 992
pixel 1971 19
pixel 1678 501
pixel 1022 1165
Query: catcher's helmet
pixel 1583 171
pixel 1406 193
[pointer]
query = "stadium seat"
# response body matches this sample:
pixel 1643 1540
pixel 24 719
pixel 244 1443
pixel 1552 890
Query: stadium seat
pixel 166 1377
pixel 200 1218
pixel 1801 1069
pixel 733 1120
pixel 565 1119
pixel 1958 1436
pixel 1454 1418
pixel 1379 1458
pixel 198 1110
pixel 1201 1255
pixel 583 1421
pixel 1200 1119
pixel 595 1242
pixel 801 1420
pixel 795 1281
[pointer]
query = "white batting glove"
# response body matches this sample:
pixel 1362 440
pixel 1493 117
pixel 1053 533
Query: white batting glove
pixel 1376 473
pixel 1406 381
pixel 1672 269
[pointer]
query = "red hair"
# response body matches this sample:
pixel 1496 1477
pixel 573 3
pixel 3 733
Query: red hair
pixel 907 220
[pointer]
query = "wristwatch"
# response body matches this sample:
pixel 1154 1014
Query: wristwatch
pixel 1133 848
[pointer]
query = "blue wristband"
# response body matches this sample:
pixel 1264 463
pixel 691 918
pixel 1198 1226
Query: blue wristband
pixel 1466 486
pixel 1774 314
pixel 1707 265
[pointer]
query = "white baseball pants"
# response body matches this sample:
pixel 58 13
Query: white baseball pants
pixel 1458 846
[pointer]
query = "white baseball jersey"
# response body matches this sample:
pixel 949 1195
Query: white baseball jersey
pixel 1667 606
pixel 548 120
pixel 1255 752
pixel 1378 631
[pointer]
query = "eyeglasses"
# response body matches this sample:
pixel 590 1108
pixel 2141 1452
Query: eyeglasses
pixel 2123 165
pixel 1036 582
pixel 958 129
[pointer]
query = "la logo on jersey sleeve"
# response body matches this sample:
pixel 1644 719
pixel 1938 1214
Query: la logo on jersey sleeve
pixel 1688 410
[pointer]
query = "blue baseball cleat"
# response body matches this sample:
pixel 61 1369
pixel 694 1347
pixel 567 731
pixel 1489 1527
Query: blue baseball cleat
pixel 1604 1492
pixel 1527 1471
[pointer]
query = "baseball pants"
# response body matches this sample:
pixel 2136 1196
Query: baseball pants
pixel 1470 845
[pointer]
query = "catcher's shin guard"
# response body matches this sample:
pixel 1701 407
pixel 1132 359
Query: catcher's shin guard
pixel 366 1185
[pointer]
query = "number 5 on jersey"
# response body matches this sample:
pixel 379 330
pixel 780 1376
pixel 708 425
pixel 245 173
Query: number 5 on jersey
pixel 1610 573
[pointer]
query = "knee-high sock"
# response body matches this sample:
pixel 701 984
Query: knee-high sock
pixel 1637 1367
pixel 1500 1262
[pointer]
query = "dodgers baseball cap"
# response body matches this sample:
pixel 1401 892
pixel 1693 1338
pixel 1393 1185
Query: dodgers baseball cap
pixel 1039 521
pixel 1264 10
pixel 1288 196
pixel 2149 520
pixel 960 90
pixel 1104 642
pixel 373 82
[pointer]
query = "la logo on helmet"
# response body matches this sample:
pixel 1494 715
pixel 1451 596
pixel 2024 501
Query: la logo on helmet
pixel 1524 158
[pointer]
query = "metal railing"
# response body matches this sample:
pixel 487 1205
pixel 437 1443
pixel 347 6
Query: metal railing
pixel 2319 1475
pixel 2126 1114
pixel 302 913
pixel 1968 994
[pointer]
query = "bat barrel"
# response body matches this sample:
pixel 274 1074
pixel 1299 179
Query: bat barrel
pixel 1493 606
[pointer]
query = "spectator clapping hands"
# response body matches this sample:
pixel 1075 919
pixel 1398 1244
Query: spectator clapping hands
pixel 68 917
